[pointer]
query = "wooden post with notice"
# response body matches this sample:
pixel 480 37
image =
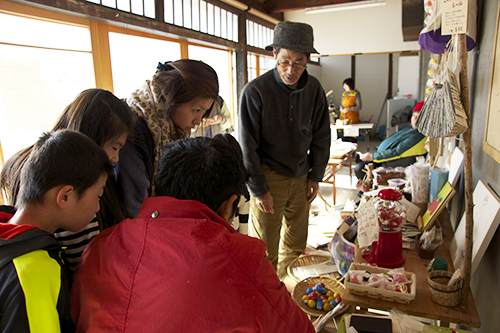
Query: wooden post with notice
pixel 469 204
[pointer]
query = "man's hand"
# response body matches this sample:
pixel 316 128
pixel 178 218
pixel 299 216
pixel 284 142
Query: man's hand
pixel 265 203
pixel 312 190
pixel 367 157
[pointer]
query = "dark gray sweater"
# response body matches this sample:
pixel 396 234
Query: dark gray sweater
pixel 285 128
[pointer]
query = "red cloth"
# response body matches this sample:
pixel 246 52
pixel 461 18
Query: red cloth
pixel 187 270
pixel 418 107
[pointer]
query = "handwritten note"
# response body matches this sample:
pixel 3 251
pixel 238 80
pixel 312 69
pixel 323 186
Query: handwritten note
pixel 367 224
pixel 454 17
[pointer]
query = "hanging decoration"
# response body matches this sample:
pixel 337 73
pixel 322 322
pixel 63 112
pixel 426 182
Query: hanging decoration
pixel 443 113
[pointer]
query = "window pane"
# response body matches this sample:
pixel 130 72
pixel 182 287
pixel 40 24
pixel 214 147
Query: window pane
pixel 123 5
pixel 269 63
pixel 210 18
pixel 131 66
pixel 253 61
pixel 219 60
pixel 250 33
pixel 169 11
pixel 235 28
pixel 149 8
pixel 223 23
pixel 187 14
pixel 36 85
pixel 45 34
pixel 203 16
pixel 229 20
pixel 196 15
pixel 217 23
pixel 137 7
pixel 108 3
pixel 178 12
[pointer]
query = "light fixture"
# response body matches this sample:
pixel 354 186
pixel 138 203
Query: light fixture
pixel 345 6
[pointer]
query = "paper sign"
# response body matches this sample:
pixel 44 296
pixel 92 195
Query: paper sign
pixel 454 17
pixel 412 211
pixel 367 224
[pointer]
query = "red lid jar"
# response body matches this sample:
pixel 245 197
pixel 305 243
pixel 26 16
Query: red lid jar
pixel 390 210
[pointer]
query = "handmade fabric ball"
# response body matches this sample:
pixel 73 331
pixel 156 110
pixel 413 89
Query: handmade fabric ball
pixel 437 264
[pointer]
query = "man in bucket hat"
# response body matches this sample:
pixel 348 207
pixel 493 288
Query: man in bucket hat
pixel 284 132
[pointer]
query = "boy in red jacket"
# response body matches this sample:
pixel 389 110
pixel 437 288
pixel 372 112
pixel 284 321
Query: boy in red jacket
pixel 180 266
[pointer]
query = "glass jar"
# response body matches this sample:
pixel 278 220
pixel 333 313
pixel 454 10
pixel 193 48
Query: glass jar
pixel 390 209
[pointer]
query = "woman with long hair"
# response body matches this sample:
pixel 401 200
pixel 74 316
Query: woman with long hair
pixel 169 107
pixel 107 120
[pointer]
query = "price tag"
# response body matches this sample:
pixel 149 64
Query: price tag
pixel 367 224
pixel 454 17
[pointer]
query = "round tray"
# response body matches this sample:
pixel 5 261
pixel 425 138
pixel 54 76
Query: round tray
pixel 310 259
pixel 300 290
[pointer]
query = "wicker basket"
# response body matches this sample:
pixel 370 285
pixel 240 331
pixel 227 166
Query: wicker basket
pixel 300 290
pixel 379 293
pixel 308 260
pixel 440 292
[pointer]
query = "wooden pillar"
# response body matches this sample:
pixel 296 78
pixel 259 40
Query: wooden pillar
pixel 469 204
pixel 353 68
pixel 241 55
pixel 389 79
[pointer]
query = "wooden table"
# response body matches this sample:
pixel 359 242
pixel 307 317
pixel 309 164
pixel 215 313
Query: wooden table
pixel 335 163
pixel 354 129
pixel 422 305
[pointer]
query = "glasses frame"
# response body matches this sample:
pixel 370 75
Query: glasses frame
pixel 285 65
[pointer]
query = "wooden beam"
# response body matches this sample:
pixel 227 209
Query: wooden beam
pixel 101 56
pixel 255 5
pixel 256 9
pixel 279 6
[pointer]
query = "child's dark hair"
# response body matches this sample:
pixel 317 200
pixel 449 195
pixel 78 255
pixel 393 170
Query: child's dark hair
pixel 349 82
pixel 61 158
pixel 98 114
pixel 229 139
pixel 201 169
pixel 101 116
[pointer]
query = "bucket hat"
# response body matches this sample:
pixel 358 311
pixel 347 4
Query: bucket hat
pixel 293 36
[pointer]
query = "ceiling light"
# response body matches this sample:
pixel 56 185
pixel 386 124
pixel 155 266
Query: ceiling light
pixel 345 6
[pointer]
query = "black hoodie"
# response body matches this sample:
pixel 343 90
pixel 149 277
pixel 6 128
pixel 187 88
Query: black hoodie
pixel 23 269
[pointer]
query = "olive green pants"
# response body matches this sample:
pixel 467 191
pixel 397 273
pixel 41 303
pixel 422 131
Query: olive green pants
pixel 285 231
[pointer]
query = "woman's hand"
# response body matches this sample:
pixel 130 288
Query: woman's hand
pixel 212 121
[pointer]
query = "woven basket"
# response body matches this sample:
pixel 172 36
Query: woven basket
pixel 300 290
pixel 379 293
pixel 307 260
pixel 440 292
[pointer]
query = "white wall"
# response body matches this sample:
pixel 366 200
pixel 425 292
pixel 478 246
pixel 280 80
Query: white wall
pixel 408 76
pixel 366 30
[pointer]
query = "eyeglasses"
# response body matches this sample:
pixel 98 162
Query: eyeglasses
pixel 286 65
